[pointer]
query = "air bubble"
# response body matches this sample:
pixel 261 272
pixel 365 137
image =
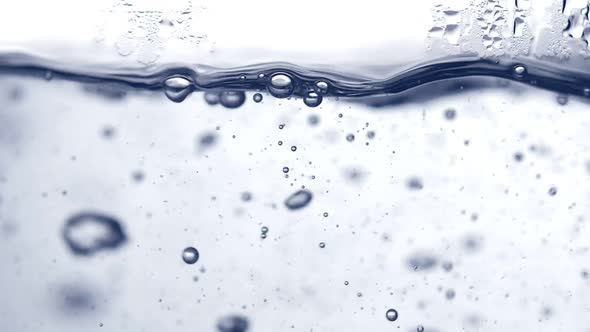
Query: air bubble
pixel 190 255
pixel 298 199
pixel 450 294
pixel 450 114
pixel 285 169
pixel 232 99
pixel 322 245
pixel 552 191
pixel 211 98
pixel 257 97
pixel 420 328
pixel 281 85
pixel 322 87
pixel 391 315
pixel 87 233
pixel 350 137
pixel 519 71
pixel 312 99
pixel 177 88
pixel 233 323
pixel 293 148
pixel 562 99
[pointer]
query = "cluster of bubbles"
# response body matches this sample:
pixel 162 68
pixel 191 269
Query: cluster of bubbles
pixel 263 232
pixel 280 85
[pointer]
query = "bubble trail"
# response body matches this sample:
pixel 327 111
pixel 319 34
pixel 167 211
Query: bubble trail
pixel 283 80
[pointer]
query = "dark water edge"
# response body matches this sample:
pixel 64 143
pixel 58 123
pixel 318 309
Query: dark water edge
pixel 438 75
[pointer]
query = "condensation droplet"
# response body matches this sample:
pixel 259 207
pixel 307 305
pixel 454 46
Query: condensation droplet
pixel 190 255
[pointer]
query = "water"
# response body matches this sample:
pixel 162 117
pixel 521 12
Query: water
pixel 436 191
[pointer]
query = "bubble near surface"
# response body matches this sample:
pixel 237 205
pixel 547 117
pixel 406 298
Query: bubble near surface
pixel 281 85
pixel 298 200
pixel 177 88
pixel 87 233
pixel 232 99
pixel 190 255
pixel 312 99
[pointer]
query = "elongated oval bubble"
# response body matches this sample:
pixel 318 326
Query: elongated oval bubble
pixel 87 233
pixel 298 199
pixel 233 323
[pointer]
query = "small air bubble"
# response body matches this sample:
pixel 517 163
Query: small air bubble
pixel 285 169
pixel 190 255
pixel 350 137
pixel 450 294
pixel 391 315
pixel 293 148
pixel 211 98
pixel 519 71
pixel 257 97
pixel 552 191
pixel 450 114
pixel 322 87
pixel 322 245
pixel 562 99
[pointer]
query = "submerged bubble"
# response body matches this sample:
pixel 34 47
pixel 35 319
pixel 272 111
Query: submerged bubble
pixel 190 255
pixel 450 114
pixel 211 98
pixel 450 294
pixel 350 137
pixel 420 328
pixel 298 199
pixel 232 99
pixel 233 323
pixel 87 233
pixel 322 245
pixel 285 169
pixel 552 191
pixel 562 99
pixel 246 196
pixel 391 315
pixel 281 85
pixel 177 88
pixel 415 183
pixel 421 262
pixel 257 97
pixel 293 148
pixel 312 99
pixel 313 120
